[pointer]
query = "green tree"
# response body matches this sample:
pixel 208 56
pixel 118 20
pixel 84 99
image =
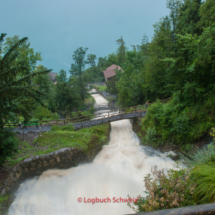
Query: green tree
pixel 189 17
pixel 41 113
pixel 91 60
pixel 15 82
pixel 67 94
pixel 207 13
pixel 121 50
pixel 77 69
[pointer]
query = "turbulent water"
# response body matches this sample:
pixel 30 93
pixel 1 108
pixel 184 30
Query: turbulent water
pixel 116 172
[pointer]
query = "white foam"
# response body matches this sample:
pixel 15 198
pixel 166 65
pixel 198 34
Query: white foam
pixel 117 171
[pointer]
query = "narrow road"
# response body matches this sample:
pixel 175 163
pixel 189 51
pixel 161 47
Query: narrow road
pixel 34 129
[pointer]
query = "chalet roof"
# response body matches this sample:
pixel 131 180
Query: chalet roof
pixel 113 67
pixel 52 76
pixel 110 71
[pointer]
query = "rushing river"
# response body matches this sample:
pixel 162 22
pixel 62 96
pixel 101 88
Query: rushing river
pixel 116 172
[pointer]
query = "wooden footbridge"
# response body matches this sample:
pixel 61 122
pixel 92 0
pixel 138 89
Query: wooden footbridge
pixel 100 118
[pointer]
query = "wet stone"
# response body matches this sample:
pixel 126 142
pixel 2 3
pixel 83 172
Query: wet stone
pixel 58 159
pixel 7 189
pixel 33 164
pixel 51 161
pixel 39 165
pixel 44 162
pixel 27 160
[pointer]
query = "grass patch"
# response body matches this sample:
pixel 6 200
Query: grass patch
pixel 4 198
pixel 100 88
pixel 205 180
pixel 62 128
pixel 60 138
pixel 4 202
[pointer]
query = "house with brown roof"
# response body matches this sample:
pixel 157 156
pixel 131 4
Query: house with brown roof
pixel 110 72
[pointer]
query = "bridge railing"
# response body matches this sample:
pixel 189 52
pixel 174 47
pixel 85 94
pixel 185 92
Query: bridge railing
pixel 16 124
pixel 80 119
pixel 204 209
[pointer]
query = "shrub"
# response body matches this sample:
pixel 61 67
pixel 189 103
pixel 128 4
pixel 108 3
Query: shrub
pixel 198 156
pixel 178 121
pixel 74 114
pixel 62 128
pixel 8 144
pixel 212 133
pixel 55 116
pixel 166 191
pixel 67 128
pixel 41 113
pixel 205 180
pixel 54 128
pixel 96 87
pixel 151 135
pixel 91 110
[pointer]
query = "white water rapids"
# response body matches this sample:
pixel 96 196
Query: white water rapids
pixel 117 171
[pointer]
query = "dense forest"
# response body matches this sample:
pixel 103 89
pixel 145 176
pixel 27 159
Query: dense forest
pixel 179 62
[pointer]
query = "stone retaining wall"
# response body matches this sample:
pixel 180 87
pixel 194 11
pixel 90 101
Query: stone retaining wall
pixel 34 166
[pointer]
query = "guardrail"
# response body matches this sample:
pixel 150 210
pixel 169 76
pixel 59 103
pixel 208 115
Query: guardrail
pixel 11 124
pixel 15 124
pixel 189 210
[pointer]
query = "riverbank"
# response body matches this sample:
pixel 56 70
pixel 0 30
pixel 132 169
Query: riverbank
pixel 88 141
pixel 117 170
pixel 166 146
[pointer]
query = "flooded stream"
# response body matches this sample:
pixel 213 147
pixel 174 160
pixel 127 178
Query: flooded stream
pixel 116 172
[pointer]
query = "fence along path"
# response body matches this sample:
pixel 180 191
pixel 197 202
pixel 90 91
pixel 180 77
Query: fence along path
pixel 101 118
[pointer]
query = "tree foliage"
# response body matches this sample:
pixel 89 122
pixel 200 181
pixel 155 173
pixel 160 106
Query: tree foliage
pixel 16 87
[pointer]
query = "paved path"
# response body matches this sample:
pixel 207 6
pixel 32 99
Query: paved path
pixel 34 129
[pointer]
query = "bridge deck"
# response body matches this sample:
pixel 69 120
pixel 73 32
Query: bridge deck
pixel 101 118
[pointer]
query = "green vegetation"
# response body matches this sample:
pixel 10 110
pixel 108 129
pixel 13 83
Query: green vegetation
pixel 4 201
pixel 17 94
pixel 8 144
pixel 166 191
pixel 41 113
pixel 181 187
pixel 27 92
pixel 200 156
pixel 100 88
pixel 205 183
pixel 201 162
pixel 177 63
pixel 62 128
pixel 60 137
